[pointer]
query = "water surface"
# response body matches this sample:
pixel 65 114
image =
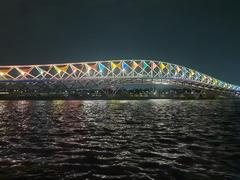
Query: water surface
pixel 142 139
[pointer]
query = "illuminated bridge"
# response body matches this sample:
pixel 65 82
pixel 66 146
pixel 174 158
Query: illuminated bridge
pixel 109 77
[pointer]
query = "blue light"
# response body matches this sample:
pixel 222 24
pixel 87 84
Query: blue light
pixel 101 67
pixel 124 66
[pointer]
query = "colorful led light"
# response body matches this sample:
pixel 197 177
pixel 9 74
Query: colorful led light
pixel 145 68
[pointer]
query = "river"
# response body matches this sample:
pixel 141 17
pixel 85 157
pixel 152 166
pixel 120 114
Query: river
pixel 118 139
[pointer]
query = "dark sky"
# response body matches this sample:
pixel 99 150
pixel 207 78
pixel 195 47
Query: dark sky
pixel 200 34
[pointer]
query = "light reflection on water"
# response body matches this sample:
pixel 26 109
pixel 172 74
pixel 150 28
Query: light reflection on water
pixel 142 139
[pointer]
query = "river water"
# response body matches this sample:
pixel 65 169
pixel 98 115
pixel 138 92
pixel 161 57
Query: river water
pixel 137 139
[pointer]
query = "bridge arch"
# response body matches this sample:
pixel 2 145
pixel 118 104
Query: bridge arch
pixel 114 69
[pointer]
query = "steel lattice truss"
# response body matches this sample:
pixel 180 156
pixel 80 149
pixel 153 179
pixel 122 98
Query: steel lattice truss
pixel 119 69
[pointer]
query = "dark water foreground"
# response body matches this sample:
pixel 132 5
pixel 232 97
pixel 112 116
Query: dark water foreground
pixel 141 139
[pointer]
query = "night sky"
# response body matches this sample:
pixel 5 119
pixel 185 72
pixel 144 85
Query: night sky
pixel 200 34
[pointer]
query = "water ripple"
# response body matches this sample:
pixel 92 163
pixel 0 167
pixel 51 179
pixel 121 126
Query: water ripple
pixel 147 139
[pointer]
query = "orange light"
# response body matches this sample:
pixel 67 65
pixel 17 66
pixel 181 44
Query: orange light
pixel 134 65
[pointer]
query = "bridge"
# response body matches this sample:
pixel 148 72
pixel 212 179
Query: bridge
pixel 108 77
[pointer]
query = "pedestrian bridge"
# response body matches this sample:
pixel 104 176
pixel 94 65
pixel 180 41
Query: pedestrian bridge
pixel 111 71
